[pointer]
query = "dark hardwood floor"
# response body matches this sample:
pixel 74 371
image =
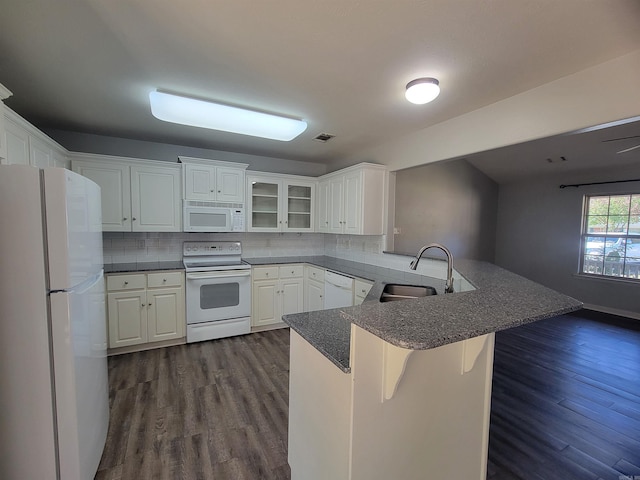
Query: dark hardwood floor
pixel 566 400
pixel 565 405
pixel 209 410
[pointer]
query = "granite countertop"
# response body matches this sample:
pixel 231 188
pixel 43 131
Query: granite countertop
pixel 142 267
pixel 501 300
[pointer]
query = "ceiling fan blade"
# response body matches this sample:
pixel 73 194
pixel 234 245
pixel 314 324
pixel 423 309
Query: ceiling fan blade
pixel 621 138
pixel 629 149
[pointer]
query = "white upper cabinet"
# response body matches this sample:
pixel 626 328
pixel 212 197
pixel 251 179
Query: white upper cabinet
pixel 229 185
pixel 39 153
pixel 281 203
pixel 213 181
pixel 351 201
pixel 17 142
pixel 60 159
pixel 155 199
pixel 323 206
pixel 114 180
pixel 4 94
pixel 199 182
pixel 26 145
pixel 137 195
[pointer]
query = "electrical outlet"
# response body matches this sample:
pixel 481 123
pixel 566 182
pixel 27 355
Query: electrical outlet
pixel 397 230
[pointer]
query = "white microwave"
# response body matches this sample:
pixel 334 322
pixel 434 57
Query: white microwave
pixel 212 217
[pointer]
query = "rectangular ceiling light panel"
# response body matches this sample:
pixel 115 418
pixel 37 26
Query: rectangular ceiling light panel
pixel 215 116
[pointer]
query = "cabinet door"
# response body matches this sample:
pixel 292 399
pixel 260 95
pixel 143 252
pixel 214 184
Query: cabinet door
pixel 127 318
pixel 352 215
pixel 165 314
pixel 298 206
pixel 292 296
pixel 39 153
pixel 264 204
pixel 17 140
pixel 360 290
pixel 155 199
pixel 229 185
pixel 314 296
pixel 199 182
pixel 264 303
pixel 324 206
pixel 114 181
pixel 336 200
pixel 59 160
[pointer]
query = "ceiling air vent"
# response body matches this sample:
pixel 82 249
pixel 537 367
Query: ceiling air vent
pixel 323 137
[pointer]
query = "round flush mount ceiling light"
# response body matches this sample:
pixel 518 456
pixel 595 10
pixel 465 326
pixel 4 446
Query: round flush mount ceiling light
pixel 422 90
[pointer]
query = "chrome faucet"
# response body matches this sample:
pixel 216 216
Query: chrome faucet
pixel 414 263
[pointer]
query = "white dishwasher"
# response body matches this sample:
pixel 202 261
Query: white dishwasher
pixel 338 290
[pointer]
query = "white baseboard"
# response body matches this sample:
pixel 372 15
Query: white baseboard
pixel 612 311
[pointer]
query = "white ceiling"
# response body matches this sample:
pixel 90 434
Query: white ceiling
pixel 341 65
pixel 593 150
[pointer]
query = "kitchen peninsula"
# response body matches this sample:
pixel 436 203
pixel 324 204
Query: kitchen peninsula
pixel 403 389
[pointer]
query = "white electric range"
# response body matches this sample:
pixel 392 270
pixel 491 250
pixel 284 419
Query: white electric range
pixel 218 291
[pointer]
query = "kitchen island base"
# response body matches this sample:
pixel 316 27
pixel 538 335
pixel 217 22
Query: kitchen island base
pixel 398 413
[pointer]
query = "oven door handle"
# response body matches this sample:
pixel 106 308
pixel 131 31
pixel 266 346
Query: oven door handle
pixel 205 275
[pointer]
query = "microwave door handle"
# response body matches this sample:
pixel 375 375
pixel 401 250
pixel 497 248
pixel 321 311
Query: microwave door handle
pixel 205 275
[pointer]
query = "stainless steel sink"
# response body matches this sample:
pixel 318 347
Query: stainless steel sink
pixel 395 291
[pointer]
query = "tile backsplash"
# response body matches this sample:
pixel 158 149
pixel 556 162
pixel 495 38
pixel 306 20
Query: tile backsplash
pixel 130 247
pixel 126 247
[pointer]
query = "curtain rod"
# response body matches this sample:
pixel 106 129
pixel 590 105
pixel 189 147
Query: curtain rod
pixel 578 185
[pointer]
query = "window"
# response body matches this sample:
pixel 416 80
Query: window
pixel 611 236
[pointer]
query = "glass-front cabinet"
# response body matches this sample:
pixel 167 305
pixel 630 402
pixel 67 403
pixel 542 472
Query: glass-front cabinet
pixel 280 204
pixel 299 210
pixel 263 205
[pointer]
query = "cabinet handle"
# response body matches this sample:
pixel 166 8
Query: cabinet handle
pixel 149 304
pixel 320 296
pixel 126 283
pixel 143 305
pixel 124 219
pixel 326 223
pixel 212 191
pixel 164 279
pixel 291 272
pixel 133 219
pixel 266 274
pixel 219 191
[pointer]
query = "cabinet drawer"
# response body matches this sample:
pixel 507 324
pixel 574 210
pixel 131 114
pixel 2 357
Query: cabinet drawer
pixel 291 271
pixel 315 273
pixel 361 288
pixel 265 273
pixel 126 282
pixel 166 279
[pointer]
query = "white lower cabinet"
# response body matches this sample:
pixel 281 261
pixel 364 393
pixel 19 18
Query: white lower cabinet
pixel 361 290
pixel 313 288
pixel 145 308
pixel 277 291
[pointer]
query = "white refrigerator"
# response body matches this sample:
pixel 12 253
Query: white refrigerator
pixel 54 399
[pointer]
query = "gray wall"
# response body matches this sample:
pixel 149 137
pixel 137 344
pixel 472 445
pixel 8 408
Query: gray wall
pixel 538 236
pixel 452 203
pixel 88 143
